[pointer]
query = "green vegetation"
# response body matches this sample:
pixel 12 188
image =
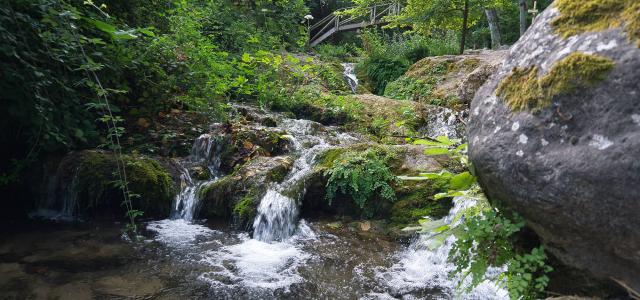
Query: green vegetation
pixel 485 236
pixel 387 57
pixel 524 90
pixel 364 177
pixel 596 15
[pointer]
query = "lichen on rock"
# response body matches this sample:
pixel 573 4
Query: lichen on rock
pixel 578 17
pixel 524 90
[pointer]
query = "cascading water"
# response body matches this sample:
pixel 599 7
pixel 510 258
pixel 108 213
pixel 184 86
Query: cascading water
pixel 205 150
pixel 60 201
pixel 424 267
pixel 350 76
pixel 277 214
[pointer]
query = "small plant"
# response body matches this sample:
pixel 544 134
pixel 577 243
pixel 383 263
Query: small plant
pixel 362 176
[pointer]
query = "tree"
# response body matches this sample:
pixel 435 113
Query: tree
pixel 494 27
pixel 522 6
pixel 426 16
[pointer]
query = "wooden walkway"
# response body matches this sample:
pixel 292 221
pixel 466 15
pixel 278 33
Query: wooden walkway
pixel 333 23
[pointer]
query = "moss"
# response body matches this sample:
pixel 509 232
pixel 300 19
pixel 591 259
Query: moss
pixel 217 196
pixel 524 90
pixel 146 177
pixel 327 158
pixel 245 209
pixel 278 173
pixel 521 90
pixel 597 15
pixel 415 200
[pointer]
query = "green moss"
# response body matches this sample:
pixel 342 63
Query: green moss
pixel 521 90
pixel 415 202
pixel 327 158
pixel 246 207
pixel 524 90
pixel 146 177
pixel 278 173
pixel 597 15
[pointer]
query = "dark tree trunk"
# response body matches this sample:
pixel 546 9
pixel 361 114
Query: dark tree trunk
pixel 494 27
pixel 523 16
pixel 465 20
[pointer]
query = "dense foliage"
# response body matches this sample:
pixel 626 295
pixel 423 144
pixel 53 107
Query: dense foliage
pixel 63 61
pixel 387 56
pixel 364 177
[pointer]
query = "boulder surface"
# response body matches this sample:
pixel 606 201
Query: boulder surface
pixel 555 135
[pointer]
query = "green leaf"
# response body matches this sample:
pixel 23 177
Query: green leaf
pixel 462 181
pixel 428 143
pixel 106 27
pixel 436 151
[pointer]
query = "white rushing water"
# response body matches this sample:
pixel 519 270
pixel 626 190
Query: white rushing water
pixel 206 150
pixel 350 76
pixel 277 214
pixel 271 259
pixel 421 267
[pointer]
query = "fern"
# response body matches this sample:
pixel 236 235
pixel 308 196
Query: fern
pixel 362 176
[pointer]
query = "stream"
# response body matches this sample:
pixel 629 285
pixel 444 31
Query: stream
pixel 285 257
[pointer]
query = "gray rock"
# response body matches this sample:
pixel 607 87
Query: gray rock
pixel 572 169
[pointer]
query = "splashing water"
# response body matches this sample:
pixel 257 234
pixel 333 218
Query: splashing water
pixel 420 267
pixel 277 214
pixel 205 150
pixel 350 76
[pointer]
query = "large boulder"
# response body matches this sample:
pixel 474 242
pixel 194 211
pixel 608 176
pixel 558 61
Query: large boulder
pixel 555 135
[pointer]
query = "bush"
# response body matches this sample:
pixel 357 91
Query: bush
pixel 382 70
pixel 342 53
pixel 389 57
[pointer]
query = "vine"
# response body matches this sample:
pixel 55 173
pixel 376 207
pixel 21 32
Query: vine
pixel 114 131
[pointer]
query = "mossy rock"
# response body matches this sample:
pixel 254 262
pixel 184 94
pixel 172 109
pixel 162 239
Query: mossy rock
pixel 415 201
pixel 578 17
pixel 236 196
pixel 523 89
pixel 96 191
pixel 242 142
pixel 448 81
pixel 412 195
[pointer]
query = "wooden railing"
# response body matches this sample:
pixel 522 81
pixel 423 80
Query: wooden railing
pixel 334 23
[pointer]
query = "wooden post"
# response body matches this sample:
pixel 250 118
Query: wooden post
pixel 373 15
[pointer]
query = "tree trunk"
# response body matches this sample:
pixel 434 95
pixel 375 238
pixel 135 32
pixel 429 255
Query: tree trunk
pixel 494 27
pixel 465 20
pixel 523 16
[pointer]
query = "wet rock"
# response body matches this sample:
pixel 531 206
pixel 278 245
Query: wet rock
pixel 73 290
pixel 238 194
pixel 83 185
pixel 129 286
pixel 554 134
pixel 242 142
pixel 441 121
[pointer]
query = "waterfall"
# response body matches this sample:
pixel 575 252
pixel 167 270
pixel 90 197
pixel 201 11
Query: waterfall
pixel 422 266
pixel 350 76
pixel 60 200
pixel 277 214
pixel 205 150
